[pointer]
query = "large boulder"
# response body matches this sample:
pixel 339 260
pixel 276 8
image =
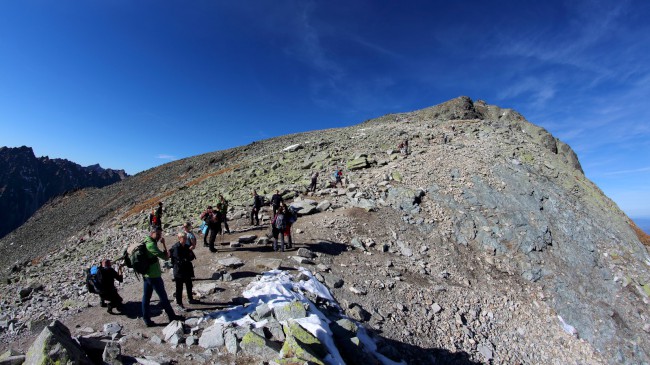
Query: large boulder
pixel 256 345
pixel 55 346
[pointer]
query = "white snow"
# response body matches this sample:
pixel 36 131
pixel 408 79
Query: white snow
pixel 276 288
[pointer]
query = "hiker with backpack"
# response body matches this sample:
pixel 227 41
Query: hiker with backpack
pixel 257 206
pixel 278 226
pixel 159 214
pixel 152 280
pixel 338 177
pixel 276 200
pixel 222 207
pixel 108 292
pixel 181 257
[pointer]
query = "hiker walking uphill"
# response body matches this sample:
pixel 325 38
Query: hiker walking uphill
pixel 276 200
pixel 152 280
pixel 158 214
pixel 290 217
pixel 108 292
pixel 181 257
pixel 257 205
pixel 205 217
pixel 338 177
pixel 222 207
pixel 314 181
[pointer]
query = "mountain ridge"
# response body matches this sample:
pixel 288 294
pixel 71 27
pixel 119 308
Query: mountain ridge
pixel 481 184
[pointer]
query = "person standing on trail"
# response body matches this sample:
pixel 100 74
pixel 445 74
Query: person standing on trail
pixel 152 280
pixel 191 238
pixel 159 214
pixel 205 217
pixel 338 177
pixel 278 228
pixel 257 205
pixel 109 291
pixel 181 257
pixel 276 200
pixel 314 181
pixel 290 216
pixel 213 219
pixel 222 207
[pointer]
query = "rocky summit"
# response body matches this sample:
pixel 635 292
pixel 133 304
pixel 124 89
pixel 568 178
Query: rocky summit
pixel 482 242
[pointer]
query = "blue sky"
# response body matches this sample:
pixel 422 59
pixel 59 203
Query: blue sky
pixel 134 84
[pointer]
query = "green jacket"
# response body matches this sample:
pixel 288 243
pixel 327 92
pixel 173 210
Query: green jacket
pixel 153 253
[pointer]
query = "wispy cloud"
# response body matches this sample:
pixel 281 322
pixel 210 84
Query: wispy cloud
pixel 632 171
pixel 166 157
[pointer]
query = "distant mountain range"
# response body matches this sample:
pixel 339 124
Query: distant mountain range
pixel 27 182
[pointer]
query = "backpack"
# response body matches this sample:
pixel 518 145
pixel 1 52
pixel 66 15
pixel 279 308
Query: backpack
pixel 94 280
pixel 292 215
pixel 279 222
pixel 137 259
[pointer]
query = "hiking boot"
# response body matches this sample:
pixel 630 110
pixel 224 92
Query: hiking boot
pixel 193 301
pixel 149 323
pixel 102 304
pixel 176 317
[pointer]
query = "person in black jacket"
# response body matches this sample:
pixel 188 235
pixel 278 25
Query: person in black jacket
pixel 109 291
pixel 181 258
pixel 276 200
pixel 257 205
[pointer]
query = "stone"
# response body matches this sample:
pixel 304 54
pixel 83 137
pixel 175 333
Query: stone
pixel 348 325
pixel 173 328
pixel 263 241
pixel 263 311
pixel 12 360
pixel 356 243
pixel 276 330
pixel 190 340
pixel 112 354
pixel 357 164
pixel 176 339
pixel 358 291
pixel 112 328
pixel 235 245
pixel 302 344
pixel 254 344
pixel 305 253
pixel 436 308
pixel 332 281
pixel 153 360
pixel 55 344
pixel 358 313
pixel 486 351
pixel 304 207
pixel 155 339
pixel 249 238
pixel 323 205
pixel 212 336
pixel 231 262
pixel 267 263
pixel 292 310
pixel 301 260
pixel 205 288
pixel 232 346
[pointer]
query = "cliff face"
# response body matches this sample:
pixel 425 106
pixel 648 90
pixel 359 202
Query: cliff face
pixel 489 214
pixel 28 182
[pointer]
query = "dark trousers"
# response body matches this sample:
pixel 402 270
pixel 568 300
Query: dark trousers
pixel 255 216
pixel 312 187
pixel 214 231
pixel 225 224
pixel 112 297
pixel 179 290
pixel 157 284
pixel 205 237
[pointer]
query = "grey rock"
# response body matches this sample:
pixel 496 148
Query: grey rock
pixel 112 354
pixel 155 339
pixel 173 328
pixel 56 344
pixel 486 351
pixel 190 340
pixel 305 253
pixel 212 337
pixel 176 339
pixel 332 281
pixel 232 345
pixel 254 344
pixel 293 310
pixel 436 308
pixel 231 262
pixel 301 260
pixel 323 205
pixel 206 289
pixel 358 313
pixel 112 328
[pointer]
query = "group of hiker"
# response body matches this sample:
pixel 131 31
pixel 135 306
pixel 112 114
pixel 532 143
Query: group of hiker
pixel 101 279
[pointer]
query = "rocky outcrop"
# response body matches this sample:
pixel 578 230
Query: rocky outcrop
pixel 28 182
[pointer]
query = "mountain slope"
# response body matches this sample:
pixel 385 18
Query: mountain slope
pixel 27 182
pixel 487 206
